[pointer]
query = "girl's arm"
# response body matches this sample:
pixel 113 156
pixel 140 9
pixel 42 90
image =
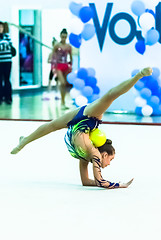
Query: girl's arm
pixel 99 179
pixel 49 58
pixel 96 158
pixel 83 167
pixel 100 182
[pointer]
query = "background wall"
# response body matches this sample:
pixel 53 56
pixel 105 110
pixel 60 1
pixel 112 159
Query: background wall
pixel 113 64
pixel 116 62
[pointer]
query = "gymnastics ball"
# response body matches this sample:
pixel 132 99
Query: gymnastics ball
pixel 97 137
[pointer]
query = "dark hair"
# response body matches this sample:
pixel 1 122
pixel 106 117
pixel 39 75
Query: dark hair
pixel 107 147
pixel 64 31
pixel 5 26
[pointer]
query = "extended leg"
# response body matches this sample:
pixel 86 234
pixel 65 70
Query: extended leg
pixel 45 129
pixel 97 108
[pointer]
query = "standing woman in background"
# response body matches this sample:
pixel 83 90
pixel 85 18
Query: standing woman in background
pixel 5 64
pixel 61 52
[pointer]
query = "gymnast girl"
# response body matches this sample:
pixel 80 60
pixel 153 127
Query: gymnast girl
pixel 81 123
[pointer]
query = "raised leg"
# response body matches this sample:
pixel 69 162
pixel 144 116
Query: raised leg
pixel 97 108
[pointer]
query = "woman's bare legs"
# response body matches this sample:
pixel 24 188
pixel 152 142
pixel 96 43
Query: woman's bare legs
pixel 49 85
pixel 62 86
pixel 97 108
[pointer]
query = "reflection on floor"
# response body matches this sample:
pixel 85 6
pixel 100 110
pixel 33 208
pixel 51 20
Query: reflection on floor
pixel 42 105
pixel 41 196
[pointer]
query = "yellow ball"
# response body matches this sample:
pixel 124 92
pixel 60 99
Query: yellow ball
pixel 97 137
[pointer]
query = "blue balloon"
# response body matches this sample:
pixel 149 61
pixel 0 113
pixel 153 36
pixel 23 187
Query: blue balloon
pixel 153 102
pixel 145 93
pixel 138 21
pixel 75 8
pixel 88 31
pixel 138 111
pixel 138 7
pixel 82 73
pixel 134 72
pixel 152 37
pixel 157 111
pixel 96 90
pixel 139 85
pixel 79 84
pixel 152 84
pixel 87 91
pixel 93 98
pixel 91 72
pixel 145 79
pixel 140 46
pixel 85 14
pixel 150 11
pixel 71 77
pixel 156 72
pixel 91 81
pixel 75 40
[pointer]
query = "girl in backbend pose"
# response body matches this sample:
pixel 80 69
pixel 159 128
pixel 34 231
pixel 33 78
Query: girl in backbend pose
pixel 61 52
pixel 80 123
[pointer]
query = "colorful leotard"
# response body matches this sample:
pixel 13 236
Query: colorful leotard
pixel 81 123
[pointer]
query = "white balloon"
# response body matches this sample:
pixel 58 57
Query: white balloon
pixel 144 32
pixel 147 21
pixel 84 2
pixel 147 110
pixel 74 93
pixel 140 102
pixel 76 26
pixel 81 100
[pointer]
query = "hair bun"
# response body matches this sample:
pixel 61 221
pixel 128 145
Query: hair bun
pixel 64 30
pixel 108 141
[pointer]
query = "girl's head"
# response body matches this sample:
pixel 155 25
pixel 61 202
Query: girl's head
pixel 63 35
pixel 1 27
pixel 4 28
pixel 107 152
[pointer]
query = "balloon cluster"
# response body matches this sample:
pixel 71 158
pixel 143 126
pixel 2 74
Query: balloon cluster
pixel 149 100
pixel 146 21
pixel 79 27
pixel 85 89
